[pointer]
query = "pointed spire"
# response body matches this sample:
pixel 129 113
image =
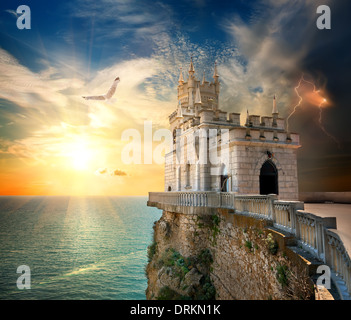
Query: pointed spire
pixel 275 110
pixel 181 80
pixel 215 73
pixel 191 67
pixel 198 95
pixel 203 79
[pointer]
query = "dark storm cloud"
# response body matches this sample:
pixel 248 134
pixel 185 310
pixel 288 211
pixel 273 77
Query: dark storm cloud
pixel 280 43
pixel 329 56
pixel 323 165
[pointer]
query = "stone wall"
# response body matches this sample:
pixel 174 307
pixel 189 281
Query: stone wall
pixel 247 260
pixel 241 160
pixel 246 163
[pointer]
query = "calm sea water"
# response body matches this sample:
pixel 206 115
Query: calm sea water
pixel 75 247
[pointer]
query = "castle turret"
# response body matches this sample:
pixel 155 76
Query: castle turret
pixel 216 83
pixel 191 85
pixel 196 95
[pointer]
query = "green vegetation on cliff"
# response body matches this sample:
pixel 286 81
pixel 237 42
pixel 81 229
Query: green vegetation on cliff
pixel 185 281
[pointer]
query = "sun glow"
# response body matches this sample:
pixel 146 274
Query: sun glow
pixel 81 159
pixel 80 156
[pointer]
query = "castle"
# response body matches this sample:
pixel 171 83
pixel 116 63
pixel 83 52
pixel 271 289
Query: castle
pixel 230 215
pixel 213 151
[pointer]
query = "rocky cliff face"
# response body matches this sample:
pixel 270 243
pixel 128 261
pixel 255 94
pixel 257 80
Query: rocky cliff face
pixel 222 256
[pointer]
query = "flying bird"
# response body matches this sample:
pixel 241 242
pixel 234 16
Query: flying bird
pixel 106 96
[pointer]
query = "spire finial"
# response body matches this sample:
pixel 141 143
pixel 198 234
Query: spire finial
pixel 181 80
pixel 191 68
pixel 215 73
pixel 203 78
pixel 274 110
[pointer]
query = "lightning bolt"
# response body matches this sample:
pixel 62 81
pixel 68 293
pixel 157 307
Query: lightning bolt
pixel 299 103
pixel 322 126
pixel 302 79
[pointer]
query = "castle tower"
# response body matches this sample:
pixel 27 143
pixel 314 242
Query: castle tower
pixel 194 91
pixel 191 86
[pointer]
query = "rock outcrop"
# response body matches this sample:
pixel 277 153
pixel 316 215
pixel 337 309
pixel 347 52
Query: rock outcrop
pixel 223 256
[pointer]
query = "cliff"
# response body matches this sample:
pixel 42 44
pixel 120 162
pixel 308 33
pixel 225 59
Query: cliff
pixel 223 255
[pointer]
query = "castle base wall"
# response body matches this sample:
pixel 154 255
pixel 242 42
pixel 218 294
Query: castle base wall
pixel 222 256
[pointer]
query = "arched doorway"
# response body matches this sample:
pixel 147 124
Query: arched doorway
pixel 268 178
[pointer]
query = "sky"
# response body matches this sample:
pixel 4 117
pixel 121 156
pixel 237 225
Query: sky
pixel 53 142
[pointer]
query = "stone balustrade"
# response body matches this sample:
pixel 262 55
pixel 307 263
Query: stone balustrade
pixel 227 200
pixel 310 233
pixel 337 257
pixel 253 204
pixel 313 233
pixel 285 215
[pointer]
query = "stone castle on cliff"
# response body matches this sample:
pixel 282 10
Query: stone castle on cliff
pixel 214 151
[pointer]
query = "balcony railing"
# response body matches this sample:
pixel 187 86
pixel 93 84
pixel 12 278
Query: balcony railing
pixel 312 232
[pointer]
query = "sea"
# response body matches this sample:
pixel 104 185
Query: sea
pixel 74 248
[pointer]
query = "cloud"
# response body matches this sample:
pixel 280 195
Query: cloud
pixel 118 172
pixel 114 172
pixel 137 19
pixel 101 171
pixel 271 48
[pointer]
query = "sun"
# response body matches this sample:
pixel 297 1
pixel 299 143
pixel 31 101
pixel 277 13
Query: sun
pixel 81 158
pixel 79 155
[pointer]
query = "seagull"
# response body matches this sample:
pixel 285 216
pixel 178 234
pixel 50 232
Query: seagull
pixel 106 96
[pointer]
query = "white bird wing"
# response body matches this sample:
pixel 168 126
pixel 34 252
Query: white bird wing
pixel 95 98
pixel 106 96
pixel 112 90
